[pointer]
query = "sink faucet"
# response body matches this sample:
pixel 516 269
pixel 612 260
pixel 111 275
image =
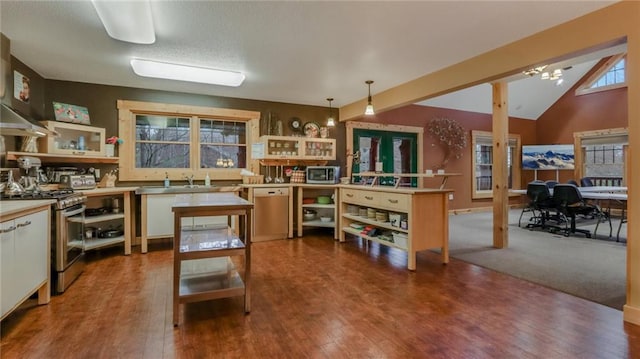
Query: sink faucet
pixel 189 179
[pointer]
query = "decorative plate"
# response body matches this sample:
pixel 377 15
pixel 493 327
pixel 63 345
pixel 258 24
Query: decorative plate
pixel 311 129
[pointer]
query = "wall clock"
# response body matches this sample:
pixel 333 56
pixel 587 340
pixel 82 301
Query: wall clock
pixel 295 124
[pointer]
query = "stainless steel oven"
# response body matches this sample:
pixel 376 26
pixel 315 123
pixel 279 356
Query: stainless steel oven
pixel 67 228
pixel 68 246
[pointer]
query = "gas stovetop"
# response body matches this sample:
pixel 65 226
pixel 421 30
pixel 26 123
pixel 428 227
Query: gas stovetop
pixel 65 197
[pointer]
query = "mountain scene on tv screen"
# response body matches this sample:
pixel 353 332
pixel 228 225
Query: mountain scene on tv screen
pixel 556 157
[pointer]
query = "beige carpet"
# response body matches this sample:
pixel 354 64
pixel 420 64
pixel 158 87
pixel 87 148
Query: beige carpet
pixel 594 269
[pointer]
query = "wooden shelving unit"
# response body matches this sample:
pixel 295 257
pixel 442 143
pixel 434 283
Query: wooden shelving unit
pixel 203 268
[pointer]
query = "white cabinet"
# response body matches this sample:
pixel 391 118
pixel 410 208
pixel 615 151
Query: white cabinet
pixel 24 252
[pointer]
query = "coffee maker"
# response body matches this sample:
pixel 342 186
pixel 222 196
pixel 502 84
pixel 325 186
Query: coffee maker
pixel 33 176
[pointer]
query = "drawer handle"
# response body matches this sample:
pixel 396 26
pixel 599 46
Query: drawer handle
pixel 368 197
pixel 78 152
pixel 7 230
pixel 393 200
pixel 348 194
pixel 26 223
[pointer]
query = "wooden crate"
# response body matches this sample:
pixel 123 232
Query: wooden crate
pixel 258 179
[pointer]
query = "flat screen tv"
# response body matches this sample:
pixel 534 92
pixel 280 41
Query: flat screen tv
pixel 548 157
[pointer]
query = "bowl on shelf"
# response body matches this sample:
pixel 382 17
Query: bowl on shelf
pixel 325 219
pixel 323 200
pixel 309 216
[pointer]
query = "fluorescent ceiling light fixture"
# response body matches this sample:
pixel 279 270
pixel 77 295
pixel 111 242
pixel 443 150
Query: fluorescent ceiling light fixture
pixel 165 70
pixel 128 21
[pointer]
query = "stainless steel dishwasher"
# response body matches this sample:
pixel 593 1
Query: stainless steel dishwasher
pixel 271 213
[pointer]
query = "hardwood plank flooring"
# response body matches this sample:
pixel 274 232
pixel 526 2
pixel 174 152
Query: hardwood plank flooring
pixel 316 298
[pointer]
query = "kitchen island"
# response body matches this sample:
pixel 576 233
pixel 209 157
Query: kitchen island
pixel 418 218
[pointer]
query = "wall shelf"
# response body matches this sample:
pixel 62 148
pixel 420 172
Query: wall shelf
pixel 59 158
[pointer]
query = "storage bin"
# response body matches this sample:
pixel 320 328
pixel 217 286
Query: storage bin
pixel 396 218
pixel 400 239
pixel 258 179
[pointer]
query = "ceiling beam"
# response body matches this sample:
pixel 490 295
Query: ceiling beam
pixel 562 42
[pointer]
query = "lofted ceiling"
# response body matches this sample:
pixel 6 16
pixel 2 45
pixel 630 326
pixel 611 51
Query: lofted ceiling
pixel 296 51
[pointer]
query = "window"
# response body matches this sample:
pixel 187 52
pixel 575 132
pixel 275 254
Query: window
pixel 482 156
pixel 184 140
pixel 611 75
pixel 615 75
pixel 602 156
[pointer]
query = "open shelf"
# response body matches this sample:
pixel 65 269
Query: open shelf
pixel 59 158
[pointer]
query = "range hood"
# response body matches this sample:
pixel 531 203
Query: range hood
pixel 15 124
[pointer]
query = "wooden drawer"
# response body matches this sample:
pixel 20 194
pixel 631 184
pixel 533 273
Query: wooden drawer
pixel 350 195
pixel 395 201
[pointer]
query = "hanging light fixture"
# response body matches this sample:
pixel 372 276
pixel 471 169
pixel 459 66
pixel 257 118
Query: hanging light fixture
pixel 369 110
pixel 330 121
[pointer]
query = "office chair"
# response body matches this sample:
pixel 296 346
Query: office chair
pixel 569 203
pixel 586 182
pixel 573 182
pixel 540 202
pixel 551 183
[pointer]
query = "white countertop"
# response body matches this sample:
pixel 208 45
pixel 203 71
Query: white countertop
pixel 10 207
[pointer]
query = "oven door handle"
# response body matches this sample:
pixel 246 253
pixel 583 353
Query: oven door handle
pixel 75 211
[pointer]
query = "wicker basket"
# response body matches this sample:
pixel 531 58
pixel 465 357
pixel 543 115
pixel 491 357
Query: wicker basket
pixel 257 179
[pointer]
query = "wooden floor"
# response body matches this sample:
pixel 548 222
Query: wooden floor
pixel 316 298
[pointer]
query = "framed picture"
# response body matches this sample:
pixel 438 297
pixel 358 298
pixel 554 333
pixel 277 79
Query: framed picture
pixel 71 113
pixel 548 157
pixel 21 87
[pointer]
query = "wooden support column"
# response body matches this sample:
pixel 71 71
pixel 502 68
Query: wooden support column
pixel 499 170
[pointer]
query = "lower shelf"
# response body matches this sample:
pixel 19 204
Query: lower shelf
pixel 356 232
pixel 209 278
pixel 95 243
pixel 319 223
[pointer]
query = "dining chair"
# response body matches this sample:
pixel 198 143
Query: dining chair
pixel 570 204
pixel 586 182
pixel 540 203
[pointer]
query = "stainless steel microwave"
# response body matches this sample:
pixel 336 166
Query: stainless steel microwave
pixel 323 174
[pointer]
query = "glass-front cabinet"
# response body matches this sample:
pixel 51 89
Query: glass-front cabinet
pixel 294 148
pixel 73 139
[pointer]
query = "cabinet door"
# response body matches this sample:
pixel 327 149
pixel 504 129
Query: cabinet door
pixel 8 294
pixel 159 215
pixel 31 250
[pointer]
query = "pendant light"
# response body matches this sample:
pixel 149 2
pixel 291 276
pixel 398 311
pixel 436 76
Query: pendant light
pixel 330 121
pixel 369 110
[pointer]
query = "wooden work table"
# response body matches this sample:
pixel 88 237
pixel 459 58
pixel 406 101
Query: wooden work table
pixel 203 268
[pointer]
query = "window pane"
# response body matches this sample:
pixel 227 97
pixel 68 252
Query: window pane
pixel 161 155
pixel 162 128
pixel 214 156
pixel 220 131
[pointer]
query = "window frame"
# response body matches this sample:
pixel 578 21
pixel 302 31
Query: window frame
pixel 580 150
pixel 127 111
pixel 586 89
pixel 516 164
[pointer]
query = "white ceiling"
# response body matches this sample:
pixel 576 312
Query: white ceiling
pixel 291 51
